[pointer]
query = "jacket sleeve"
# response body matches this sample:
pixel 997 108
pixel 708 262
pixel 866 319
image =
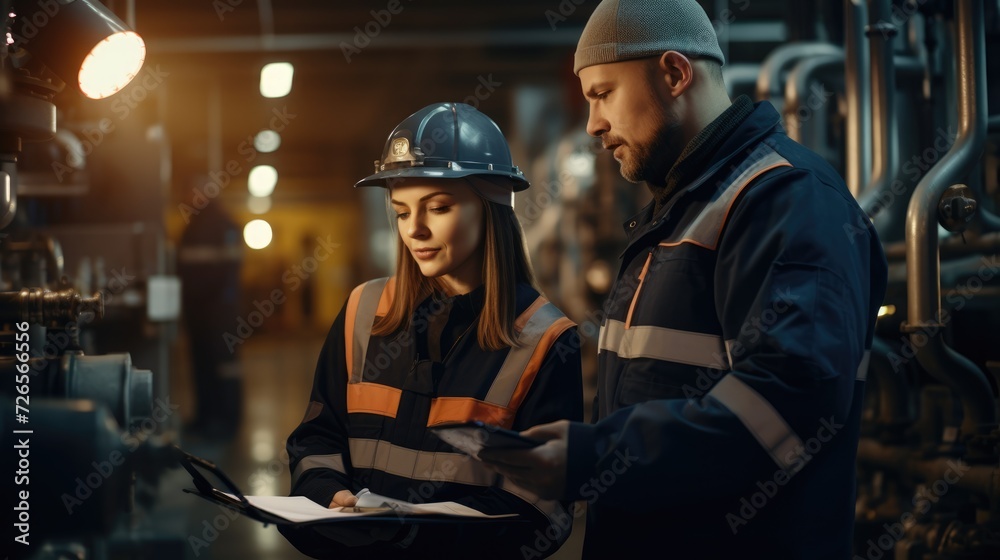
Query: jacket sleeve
pixel 793 295
pixel 555 394
pixel 318 453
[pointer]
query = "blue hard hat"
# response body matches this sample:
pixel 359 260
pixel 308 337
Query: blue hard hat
pixel 448 141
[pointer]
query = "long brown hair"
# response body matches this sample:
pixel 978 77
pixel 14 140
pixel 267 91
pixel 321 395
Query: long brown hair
pixel 505 265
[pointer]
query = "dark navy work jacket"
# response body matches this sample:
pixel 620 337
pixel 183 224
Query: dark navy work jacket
pixel 733 350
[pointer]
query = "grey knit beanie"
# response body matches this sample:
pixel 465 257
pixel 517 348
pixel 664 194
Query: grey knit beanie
pixel 627 29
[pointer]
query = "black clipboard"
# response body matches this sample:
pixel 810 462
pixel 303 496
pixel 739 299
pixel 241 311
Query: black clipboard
pixel 474 436
pixel 206 490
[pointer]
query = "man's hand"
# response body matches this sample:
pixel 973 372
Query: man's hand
pixel 541 470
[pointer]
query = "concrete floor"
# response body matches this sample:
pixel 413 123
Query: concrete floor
pixel 277 372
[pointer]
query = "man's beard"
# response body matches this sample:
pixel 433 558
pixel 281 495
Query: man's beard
pixel 652 161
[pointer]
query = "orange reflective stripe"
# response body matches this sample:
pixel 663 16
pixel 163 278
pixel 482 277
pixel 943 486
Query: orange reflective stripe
pixel 385 300
pixel 691 241
pixel 349 317
pixel 554 331
pixel 373 398
pixel 369 398
pixel 445 410
pixel 638 288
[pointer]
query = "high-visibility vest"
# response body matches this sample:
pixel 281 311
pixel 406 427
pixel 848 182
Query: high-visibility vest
pixel 537 329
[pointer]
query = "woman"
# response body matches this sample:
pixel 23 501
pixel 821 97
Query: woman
pixel 459 333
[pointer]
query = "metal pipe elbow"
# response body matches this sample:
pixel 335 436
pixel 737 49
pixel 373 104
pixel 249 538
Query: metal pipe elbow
pixel 978 403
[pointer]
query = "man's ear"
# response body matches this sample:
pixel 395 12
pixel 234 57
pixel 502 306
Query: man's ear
pixel 678 72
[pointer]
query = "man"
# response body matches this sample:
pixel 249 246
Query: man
pixel 209 263
pixel 735 339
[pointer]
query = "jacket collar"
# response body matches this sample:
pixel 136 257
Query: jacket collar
pixel 762 121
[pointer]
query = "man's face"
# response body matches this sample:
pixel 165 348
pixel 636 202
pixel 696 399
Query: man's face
pixel 629 112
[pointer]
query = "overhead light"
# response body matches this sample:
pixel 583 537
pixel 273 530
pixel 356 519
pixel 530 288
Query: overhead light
pixel 111 65
pixel 267 141
pixel 262 180
pixel 81 41
pixel 257 234
pixel 276 79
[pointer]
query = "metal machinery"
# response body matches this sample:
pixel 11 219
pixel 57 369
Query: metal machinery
pixel 894 95
pixel 83 430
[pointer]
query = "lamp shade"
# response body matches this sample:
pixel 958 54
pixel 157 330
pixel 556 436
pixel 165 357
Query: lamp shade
pixel 81 41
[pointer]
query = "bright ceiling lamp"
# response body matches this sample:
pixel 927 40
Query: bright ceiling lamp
pixel 81 41
pixel 262 180
pixel 257 234
pixel 276 79
pixel 267 141
pixel 112 64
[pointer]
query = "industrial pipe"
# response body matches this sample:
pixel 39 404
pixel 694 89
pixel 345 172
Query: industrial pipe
pixel 885 158
pixel 989 220
pixel 857 86
pixel 798 102
pixel 983 479
pixel 924 321
pixel 769 81
pixel 37 305
pixel 111 380
pixel 895 409
pixel 953 247
pixel 740 77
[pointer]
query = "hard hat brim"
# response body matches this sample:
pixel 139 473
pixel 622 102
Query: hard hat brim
pixel 381 178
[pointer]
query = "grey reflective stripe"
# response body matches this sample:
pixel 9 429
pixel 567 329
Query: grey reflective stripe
pixel 705 229
pixel 862 374
pixel 418 465
pixel 549 508
pixel 661 343
pixel 367 306
pixel 517 358
pixel 334 462
pixel 760 418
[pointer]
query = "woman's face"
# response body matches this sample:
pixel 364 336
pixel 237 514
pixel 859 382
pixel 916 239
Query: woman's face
pixel 441 225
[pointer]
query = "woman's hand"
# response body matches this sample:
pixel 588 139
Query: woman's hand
pixel 344 498
pixel 357 536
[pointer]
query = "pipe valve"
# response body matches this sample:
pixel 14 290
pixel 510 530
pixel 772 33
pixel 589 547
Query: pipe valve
pixel 957 208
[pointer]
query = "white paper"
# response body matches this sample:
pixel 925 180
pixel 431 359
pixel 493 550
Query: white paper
pixel 299 508
pixel 370 500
